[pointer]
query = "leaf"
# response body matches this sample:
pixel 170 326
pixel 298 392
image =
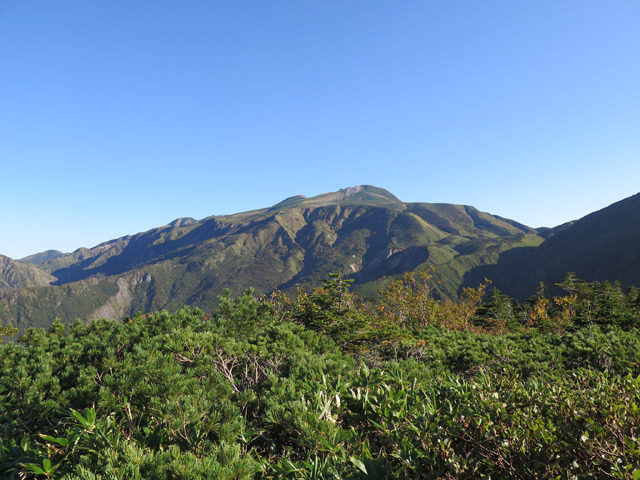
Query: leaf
pixel 32 467
pixel 79 417
pixel 89 422
pixel 361 466
pixel 25 444
pixel 91 415
pixel 62 441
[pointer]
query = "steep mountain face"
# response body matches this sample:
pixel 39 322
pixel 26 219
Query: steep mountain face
pixel 14 275
pixel 364 232
pixel 603 246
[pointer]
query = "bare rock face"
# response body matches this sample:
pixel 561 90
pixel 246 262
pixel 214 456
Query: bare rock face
pixel 351 191
pixel 118 305
pixel 182 222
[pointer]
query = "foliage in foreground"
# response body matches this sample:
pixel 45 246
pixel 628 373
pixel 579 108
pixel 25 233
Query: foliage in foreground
pixel 325 387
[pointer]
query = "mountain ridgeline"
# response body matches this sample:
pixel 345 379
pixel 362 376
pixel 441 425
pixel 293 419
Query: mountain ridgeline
pixel 364 232
pixel 15 274
pixel 602 246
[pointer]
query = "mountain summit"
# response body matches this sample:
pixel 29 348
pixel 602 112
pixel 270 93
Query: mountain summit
pixel 358 195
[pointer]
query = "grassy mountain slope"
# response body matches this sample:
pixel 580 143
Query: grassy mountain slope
pixel 364 232
pixel 604 245
pixel 42 257
pixel 14 275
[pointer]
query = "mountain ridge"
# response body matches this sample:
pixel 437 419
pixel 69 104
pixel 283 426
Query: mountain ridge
pixel 16 274
pixel 364 232
pixel 601 246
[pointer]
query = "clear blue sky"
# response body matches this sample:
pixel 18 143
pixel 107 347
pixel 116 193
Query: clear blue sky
pixel 119 116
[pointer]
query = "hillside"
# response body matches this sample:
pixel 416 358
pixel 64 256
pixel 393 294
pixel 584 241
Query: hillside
pixel 363 231
pixel 603 246
pixel 14 275
pixel 42 257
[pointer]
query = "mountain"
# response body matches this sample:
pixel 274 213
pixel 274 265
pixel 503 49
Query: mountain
pixel 360 195
pixel 603 246
pixel 364 232
pixel 42 257
pixel 14 275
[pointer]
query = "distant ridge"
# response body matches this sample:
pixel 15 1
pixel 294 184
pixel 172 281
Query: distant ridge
pixel 15 274
pixel 602 246
pixel 42 257
pixel 288 202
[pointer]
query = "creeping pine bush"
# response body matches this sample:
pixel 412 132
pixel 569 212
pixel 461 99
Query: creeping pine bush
pixel 257 392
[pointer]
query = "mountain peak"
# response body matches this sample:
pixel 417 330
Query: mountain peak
pixel 358 195
pixel 351 191
pixel 42 257
pixel 181 222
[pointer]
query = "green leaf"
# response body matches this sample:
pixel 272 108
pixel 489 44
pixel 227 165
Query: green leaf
pixel 360 464
pixel 89 422
pixel 79 417
pixel 32 467
pixel 57 440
